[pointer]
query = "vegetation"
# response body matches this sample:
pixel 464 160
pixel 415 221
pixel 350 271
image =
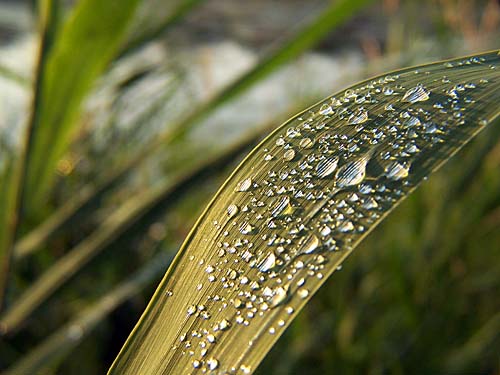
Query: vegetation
pixel 101 171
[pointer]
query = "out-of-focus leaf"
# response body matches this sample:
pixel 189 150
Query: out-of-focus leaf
pixel 296 208
pixel 64 340
pixel 84 46
pixel 13 165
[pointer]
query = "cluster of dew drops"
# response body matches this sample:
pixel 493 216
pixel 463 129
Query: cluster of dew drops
pixel 314 188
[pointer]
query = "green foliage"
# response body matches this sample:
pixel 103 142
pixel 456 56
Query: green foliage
pixel 109 176
pixel 297 206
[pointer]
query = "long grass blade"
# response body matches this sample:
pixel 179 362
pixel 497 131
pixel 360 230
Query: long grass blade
pixel 64 340
pixel 67 77
pixel 334 15
pixel 183 8
pixel 297 206
pixel 14 172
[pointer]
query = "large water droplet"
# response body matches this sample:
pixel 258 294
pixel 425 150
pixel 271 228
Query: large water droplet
pixel 416 94
pixel 327 166
pixel 353 172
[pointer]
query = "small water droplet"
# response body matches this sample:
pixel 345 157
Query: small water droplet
pixel 309 244
pixel 416 94
pixel 306 143
pixel 325 109
pixel 279 296
pixel 224 325
pixel 289 155
pixel 232 210
pixel 244 185
pixel 359 117
pixel 303 293
pixel 212 363
pixel 246 228
pixel 268 263
pixel 397 170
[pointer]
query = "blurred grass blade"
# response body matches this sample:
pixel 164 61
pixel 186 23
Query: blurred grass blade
pixel 63 341
pixel 296 208
pixel 183 8
pixel 13 173
pixel 82 49
pixel 334 15
pixel 9 74
pixel 7 221
pixel 114 226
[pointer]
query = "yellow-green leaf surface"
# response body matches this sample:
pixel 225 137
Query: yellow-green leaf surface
pixel 295 209
pixel 81 50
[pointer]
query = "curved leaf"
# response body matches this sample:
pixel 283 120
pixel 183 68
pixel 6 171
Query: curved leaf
pixel 296 208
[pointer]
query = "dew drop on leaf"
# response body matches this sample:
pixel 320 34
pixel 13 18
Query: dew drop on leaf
pixel 417 94
pixel 326 167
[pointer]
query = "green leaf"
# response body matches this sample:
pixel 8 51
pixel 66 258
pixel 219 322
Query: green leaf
pixel 297 206
pixel 65 339
pixel 82 49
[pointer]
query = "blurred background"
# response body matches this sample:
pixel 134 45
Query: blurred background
pixel 420 295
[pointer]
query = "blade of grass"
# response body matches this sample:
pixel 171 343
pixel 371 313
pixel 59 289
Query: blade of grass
pixel 114 226
pixel 297 206
pixel 334 15
pixel 175 16
pixel 15 171
pixel 64 340
pixel 13 76
pixel 96 28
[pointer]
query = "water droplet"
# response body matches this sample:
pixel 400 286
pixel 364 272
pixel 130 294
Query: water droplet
pixel 327 166
pixel 246 369
pixel 397 170
pixel 224 325
pixel 211 338
pixel 289 155
pixel 303 293
pixel 325 109
pixel 359 117
pixel 416 94
pixel 268 263
pixel 292 133
pixel 346 227
pixel 212 363
pixel 306 143
pixel 353 172
pixel 282 207
pixel 244 185
pixel 196 363
pixel 232 210
pixel 246 228
pixel 309 244
pixel 279 296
